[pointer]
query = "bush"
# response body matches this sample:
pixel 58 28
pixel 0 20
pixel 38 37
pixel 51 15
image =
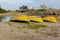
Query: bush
pixel 2 10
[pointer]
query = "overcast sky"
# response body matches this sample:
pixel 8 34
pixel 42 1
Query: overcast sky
pixel 15 4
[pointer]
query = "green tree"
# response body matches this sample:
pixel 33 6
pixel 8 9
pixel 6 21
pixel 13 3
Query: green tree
pixel 2 10
pixel 23 8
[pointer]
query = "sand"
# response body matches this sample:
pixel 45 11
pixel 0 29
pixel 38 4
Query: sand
pixel 17 31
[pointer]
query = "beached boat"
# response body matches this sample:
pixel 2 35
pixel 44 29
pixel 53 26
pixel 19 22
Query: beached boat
pixel 20 19
pixel 49 19
pixel 35 19
pixel 58 16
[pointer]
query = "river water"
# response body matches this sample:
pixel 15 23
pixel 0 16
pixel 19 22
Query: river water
pixel 5 19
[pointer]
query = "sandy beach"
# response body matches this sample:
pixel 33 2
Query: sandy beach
pixel 20 31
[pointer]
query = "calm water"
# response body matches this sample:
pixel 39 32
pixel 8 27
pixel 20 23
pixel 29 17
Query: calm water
pixel 5 19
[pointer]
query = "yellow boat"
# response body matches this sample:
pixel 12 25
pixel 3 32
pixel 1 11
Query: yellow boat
pixel 35 19
pixel 20 19
pixel 58 16
pixel 49 19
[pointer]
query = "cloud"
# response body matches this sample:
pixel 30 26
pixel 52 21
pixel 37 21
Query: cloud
pixel 15 4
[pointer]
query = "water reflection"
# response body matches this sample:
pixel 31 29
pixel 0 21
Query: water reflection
pixel 5 19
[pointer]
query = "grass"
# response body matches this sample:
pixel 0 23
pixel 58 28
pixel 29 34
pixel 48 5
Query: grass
pixel 13 12
pixel 12 30
pixel 18 27
pixel 21 27
pixel 25 32
pixel 36 31
pixel 9 23
pixel 24 27
pixel 36 26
